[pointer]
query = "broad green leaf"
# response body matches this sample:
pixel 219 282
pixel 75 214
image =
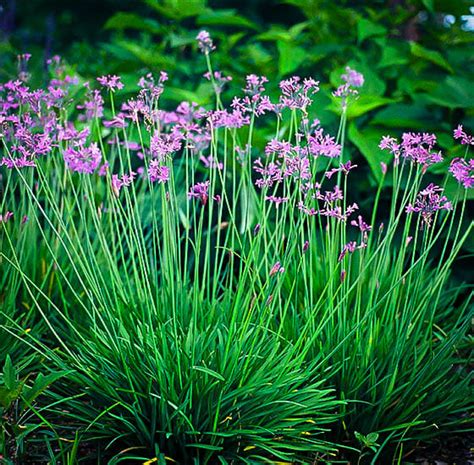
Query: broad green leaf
pixel 430 55
pixel 407 116
pixel 275 33
pixel 178 94
pixel 178 9
pixel 453 92
pixel 9 374
pixel 290 57
pixel 224 18
pixel 122 20
pixel 363 104
pixel 178 40
pixel 392 56
pixel 367 141
pixel 42 382
pixel 8 396
pixel 367 28
pixel 151 57
pixel 297 29
pixel 429 4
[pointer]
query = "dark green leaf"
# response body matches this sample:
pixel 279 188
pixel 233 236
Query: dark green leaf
pixel 430 55
pixel 9 374
pixel 367 142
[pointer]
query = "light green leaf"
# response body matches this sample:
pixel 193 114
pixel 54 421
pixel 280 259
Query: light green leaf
pixel 392 56
pixel 361 105
pixel 367 28
pixel 178 9
pixel 290 57
pixel 8 396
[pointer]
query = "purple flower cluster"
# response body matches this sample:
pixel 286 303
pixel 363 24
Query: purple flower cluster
pixel 122 181
pixel 352 80
pixel 205 43
pixel 112 83
pixel 428 202
pixel 350 247
pixel 218 79
pixel 83 159
pixel 463 171
pixel 158 172
pixel 200 191
pixel 297 94
pixel 415 147
pixel 466 139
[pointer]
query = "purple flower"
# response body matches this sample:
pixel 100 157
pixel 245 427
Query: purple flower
pixel 205 43
pixel 20 162
pixel 276 200
pixel 465 138
pixel 211 162
pixel 255 85
pixel 124 181
pixel 271 173
pixel 343 167
pixel 110 82
pixel 296 95
pixel 428 202
pixel 163 145
pixel 219 80
pixel 158 172
pixel 83 159
pixel 280 148
pixel 350 247
pixel 463 171
pixel 362 225
pixel 93 106
pixel 200 191
pixel 225 119
pixel 353 78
